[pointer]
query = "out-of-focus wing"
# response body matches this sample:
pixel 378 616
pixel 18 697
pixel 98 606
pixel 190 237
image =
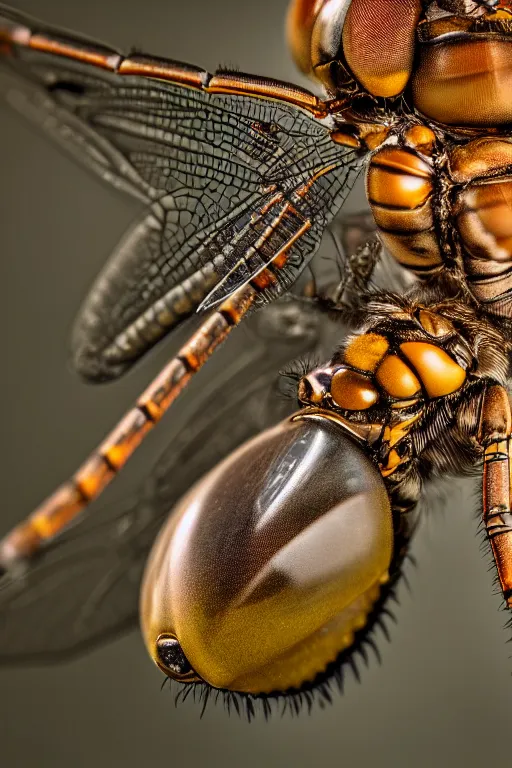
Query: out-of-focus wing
pixel 83 590
pixel 235 173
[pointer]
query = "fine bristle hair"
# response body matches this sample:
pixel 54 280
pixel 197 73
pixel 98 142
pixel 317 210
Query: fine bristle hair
pixel 290 376
pixel 228 69
pixel 322 690
pixel 485 549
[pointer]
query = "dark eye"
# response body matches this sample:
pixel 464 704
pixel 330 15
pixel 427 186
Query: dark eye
pixel 270 565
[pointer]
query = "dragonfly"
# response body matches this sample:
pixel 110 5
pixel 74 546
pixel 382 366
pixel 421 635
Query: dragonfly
pixel 274 567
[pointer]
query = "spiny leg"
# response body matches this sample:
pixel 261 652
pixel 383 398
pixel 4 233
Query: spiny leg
pixel 66 503
pixel 495 436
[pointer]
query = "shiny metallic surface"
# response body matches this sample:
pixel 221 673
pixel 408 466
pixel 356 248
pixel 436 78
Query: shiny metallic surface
pixel 326 39
pixel 270 563
pixel 439 373
pixel 353 391
pixel 400 187
pixel 485 221
pixel 397 379
pixel 300 21
pixel 466 83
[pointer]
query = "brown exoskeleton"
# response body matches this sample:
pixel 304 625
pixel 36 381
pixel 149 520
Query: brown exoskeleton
pixel 272 569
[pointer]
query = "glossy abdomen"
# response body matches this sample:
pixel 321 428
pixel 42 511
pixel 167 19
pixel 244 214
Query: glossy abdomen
pixel 269 566
pixel 400 187
pixel 483 217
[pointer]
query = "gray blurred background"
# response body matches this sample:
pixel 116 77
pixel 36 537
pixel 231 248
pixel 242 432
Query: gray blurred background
pixel 442 696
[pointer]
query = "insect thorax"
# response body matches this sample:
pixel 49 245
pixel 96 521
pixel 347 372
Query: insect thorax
pixel 435 80
pixel 409 385
pixel 441 203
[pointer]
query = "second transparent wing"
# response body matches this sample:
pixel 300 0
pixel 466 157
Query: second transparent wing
pixel 229 181
pixel 83 590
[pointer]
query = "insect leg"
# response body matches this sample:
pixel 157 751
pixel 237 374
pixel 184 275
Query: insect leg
pixel 352 230
pixel 495 436
pixel 357 272
pixel 363 262
pixel 66 503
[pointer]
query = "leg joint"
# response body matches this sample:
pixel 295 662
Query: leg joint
pixel 495 419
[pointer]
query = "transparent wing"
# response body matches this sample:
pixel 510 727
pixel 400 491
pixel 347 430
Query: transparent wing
pixel 83 590
pixel 230 182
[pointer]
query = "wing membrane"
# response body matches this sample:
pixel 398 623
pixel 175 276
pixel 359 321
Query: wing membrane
pixel 83 590
pixel 230 182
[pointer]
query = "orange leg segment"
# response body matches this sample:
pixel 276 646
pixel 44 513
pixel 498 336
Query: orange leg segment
pixel 19 31
pixel 63 506
pixel 495 436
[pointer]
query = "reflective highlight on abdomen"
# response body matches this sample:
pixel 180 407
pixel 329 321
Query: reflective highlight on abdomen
pixel 272 562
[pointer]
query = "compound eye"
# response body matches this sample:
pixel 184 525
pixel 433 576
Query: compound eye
pixel 379 43
pixel 265 571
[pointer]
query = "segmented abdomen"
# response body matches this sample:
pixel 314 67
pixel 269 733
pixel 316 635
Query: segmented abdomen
pixel 483 216
pixel 400 187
